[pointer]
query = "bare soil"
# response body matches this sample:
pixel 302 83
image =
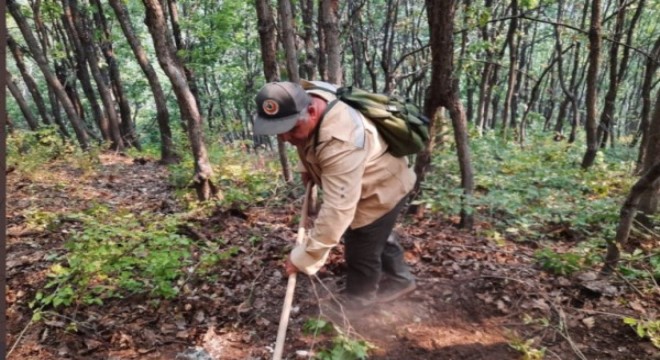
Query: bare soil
pixel 476 299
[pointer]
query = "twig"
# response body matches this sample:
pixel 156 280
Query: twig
pixel 563 330
pixel 599 312
pixel 346 323
pixel 653 279
pixel 20 336
pixel 554 354
pixel 254 282
pixel 630 284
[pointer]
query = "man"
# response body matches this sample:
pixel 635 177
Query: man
pixel 364 187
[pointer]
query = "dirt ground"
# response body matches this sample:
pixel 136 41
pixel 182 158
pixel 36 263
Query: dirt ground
pixel 476 299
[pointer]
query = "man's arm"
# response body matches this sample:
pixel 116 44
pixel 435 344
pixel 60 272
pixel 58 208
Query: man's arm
pixel 342 166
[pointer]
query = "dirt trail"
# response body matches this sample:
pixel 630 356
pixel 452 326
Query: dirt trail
pixel 474 301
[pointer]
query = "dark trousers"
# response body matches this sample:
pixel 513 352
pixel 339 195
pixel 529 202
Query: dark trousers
pixel 373 250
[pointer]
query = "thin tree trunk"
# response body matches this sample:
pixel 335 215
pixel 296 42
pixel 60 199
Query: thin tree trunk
pixel 289 40
pixel 606 126
pixel 82 72
pixel 22 104
pixel 330 24
pixel 181 46
pixel 77 124
pixel 652 64
pixel 356 37
pixel 513 63
pixel 168 154
pixel 651 196
pixel 29 81
pixel 387 48
pixel 307 13
pixel 482 106
pixel 171 65
pixel 592 86
pixel 81 22
pixel 127 128
pixel 268 40
pixel 444 92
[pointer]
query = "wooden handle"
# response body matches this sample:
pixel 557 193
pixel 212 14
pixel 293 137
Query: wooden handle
pixel 291 284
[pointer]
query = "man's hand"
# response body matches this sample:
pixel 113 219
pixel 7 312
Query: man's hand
pixel 290 268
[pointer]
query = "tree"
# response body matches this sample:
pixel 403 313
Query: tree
pixel 268 41
pixel 31 84
pixel 444 92
pixel 173 68
pixel 126 125
pixel 288 35
pixel 167 153
pixel 650 197
pixel 84 30
pixel 20 100
pixel 330 27
pixel 307 13
pixel 55 84
pixel 592 86
pixel 79 61
pixel 513 63
pixel 617 71
pixel 652 64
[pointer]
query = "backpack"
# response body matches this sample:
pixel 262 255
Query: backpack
pixel 403 127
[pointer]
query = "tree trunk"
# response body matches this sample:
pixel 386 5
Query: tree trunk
pixel 82 72
pixel 127 128
pixel 57 114
pixel 329 10
pixel 307 13
pixel 167 153
pixel 85 31
pixel 444 92
pixel 651 196
pixel 356 37
pixel 181 46
pixel 646 183
pixel 171 65
pixel 606 126
pixel 289 40
pixel 652 64
pixel 29 81
pixel 486 73
pixel 592 86
pixel 387 48
pixel 77 124
pixel 511 40
pixel 268 40
pixel 22 104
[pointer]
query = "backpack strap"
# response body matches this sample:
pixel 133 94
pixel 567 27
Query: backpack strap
pixel 330 105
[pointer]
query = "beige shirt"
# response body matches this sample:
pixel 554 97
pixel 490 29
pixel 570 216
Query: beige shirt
pixel 361 181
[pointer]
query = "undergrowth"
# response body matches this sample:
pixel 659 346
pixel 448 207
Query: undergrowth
pixel 244 179
pixel 114 254
pixel 539 193
pixel 343 345
pixel 29 151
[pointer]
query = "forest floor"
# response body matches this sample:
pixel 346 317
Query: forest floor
pixel 476 299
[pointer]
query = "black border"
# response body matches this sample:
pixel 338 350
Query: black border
pixel 3 183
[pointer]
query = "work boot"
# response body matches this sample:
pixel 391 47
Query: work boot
pixel 390 290
pixel 352 302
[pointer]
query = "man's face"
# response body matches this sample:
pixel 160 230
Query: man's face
pixel 298 135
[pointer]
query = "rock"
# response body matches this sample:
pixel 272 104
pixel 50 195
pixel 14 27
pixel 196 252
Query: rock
pixel 196 353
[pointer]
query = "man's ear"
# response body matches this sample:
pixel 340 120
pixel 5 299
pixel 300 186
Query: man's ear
pixel 312 111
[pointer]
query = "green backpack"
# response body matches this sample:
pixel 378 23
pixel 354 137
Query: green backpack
pixel 399 121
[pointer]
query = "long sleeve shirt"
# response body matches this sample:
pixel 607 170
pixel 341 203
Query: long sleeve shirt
pixel 360 180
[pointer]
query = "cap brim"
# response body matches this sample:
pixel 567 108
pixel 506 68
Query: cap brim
pixel 265 126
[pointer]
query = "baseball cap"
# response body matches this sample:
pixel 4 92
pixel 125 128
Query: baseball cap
pixel 278 106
